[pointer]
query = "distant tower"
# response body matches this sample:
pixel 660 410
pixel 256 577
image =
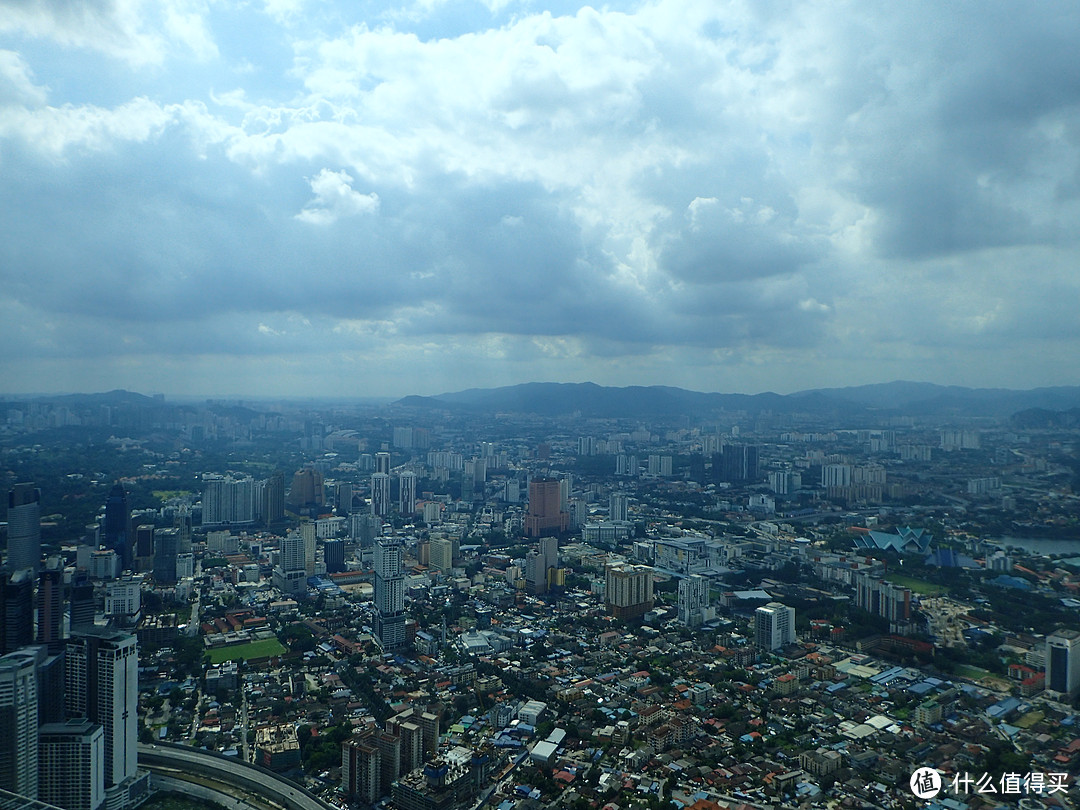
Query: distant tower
pixel 101 669
pixel 407 493
pixel 382 463
pixel 24 527
pixel 334 556
pixel 389 594
pixel 117 525
pixel 18 708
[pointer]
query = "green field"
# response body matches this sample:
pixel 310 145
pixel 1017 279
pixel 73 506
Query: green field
pixel 974 673
pixel 253 649
pixel 919 586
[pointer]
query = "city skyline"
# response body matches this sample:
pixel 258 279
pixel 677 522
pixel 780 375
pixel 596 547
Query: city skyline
pixel 296 199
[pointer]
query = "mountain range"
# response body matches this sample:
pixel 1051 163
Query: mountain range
pixel 883 399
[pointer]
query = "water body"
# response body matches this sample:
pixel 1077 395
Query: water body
pixel 1041 545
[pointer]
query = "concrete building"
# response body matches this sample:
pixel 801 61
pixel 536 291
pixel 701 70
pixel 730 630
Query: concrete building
pixel 774 626
pixel 19 711
pixel 1063 662
pixel 389 594
pixel 71 764
pixel 24 527
pixel 546 516
pixel 628 591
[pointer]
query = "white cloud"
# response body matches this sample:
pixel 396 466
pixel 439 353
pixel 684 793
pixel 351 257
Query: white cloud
pixel 335 198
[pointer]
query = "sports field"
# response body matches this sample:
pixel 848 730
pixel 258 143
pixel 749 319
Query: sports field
pixel 253 649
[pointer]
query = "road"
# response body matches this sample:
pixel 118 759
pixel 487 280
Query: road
pixel 181 761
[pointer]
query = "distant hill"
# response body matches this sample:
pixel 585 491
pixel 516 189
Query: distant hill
pixel 925 400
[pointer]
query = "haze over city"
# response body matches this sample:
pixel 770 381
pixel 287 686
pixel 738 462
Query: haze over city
pixel 290 198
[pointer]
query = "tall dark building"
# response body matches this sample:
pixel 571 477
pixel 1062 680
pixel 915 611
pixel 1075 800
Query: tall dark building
pixel 306 496
pixel 16 610
pixel 144 547
pixel 50 606
pixel 334 556
pixel 272 507
pixel 737 463
pixel 82 605
pixel 118 525
pixel 166 547
pixel 24 527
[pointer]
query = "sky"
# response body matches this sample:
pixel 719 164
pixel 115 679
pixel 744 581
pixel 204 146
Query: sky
pixel 304 198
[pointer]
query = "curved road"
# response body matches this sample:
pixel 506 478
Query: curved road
pixel 230 771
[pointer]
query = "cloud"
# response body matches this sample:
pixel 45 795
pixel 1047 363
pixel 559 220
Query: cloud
pixel 645 190
pixel 335 198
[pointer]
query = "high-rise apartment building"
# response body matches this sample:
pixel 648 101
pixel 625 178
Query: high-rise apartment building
pixel 71 764
pixel 628 591
pixel 380 493
pixel 545 516
pixel 407 493
pixel 693 599
pixel 228 501
pixel 774 626
pixel 389 594
pixel 382 463
pixel 24 527
pixel 101 672
pixel 19 713
pixel 618 506
pixel 290 574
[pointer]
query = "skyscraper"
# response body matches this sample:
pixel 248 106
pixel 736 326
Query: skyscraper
pixel 50 605
pixel 389 594
pixel 382 463
pixel 19 722
pixel 774 626
pixel 144 548
pixel 24 527
pixel 380 494
pixel 407 493
pixel 82 605
pixel 545 516
pixel 101 669
pixel 227 501
pixel 1063 662
pixel 166 550
pixel 16 609
pixel 117 525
